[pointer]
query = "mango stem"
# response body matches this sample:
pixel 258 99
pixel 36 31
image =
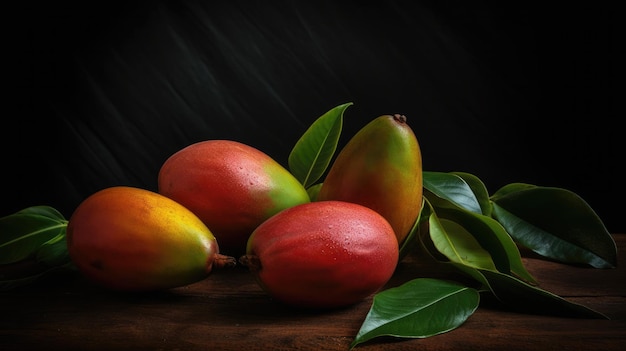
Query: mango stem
pixel 251 261
pixel 399 118
pixel 223 261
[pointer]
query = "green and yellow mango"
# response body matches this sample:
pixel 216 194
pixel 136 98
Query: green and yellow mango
pixel 381 168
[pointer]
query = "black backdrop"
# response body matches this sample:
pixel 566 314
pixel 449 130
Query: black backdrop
pixel 104 93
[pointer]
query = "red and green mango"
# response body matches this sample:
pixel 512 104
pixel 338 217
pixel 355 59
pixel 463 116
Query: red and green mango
pixel 231 186
pixel 381 168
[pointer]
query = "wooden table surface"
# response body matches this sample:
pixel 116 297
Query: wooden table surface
pixel 229 311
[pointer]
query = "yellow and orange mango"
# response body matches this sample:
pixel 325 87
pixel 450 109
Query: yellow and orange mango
pixel 131 239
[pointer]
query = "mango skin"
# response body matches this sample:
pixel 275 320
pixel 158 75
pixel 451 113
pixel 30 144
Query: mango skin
pixel 131 239
pixel 322 255
pixel 232 187
pixel 381 168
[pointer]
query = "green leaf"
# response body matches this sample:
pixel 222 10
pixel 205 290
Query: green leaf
pixel 472 273
pixel 24 232
pixel 457 244
pixel 511 188
pixel 45 211
pixel 555 223
pixel 411 240
pixel 490 234
pixel 313 152
pixel 313 190
pixel 424 240
pixel 54 251
pixel 453 188
pixel 32 243
pixel 514 293
pixel 517 295
pixel 479 189
pixel 419 308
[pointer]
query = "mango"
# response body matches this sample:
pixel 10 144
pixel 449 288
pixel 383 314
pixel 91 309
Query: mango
pixel 381 168
pixel 131 239
pixel 232 187
pixel 322 255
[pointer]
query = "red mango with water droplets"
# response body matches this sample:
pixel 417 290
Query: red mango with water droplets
pixel 324 254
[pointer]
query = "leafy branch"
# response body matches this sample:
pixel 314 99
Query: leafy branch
pixel 461 225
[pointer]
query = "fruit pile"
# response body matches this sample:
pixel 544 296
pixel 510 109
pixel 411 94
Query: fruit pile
pixel 222 199
pixel 319 234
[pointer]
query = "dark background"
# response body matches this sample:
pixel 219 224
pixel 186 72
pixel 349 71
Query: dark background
pixel 101 93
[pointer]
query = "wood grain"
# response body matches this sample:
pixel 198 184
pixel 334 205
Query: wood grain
pixel 229 311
